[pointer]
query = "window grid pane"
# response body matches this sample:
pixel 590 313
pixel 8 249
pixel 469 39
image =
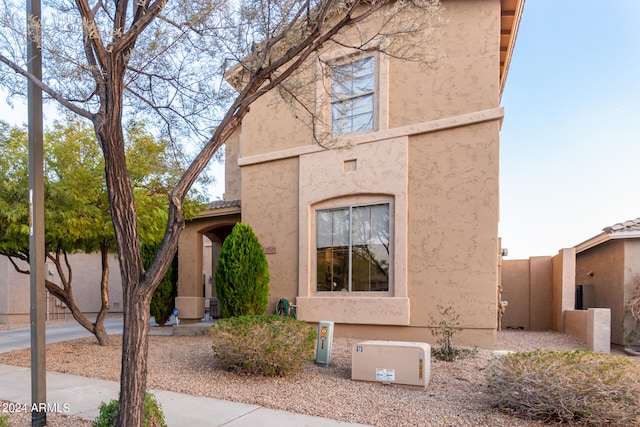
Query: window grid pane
pixel 358 259
pixel 352 96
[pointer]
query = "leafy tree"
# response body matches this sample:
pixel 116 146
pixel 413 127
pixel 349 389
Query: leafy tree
pixel 242 276
pixel 76 206
pixel 75 212
pixel 165 62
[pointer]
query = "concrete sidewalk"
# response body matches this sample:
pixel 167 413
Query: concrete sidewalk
pixel 81 396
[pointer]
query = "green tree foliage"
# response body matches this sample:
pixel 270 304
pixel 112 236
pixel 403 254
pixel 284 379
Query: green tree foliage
pixel 242 276
pixel 75 208
pixel 77 215
pixel 162 301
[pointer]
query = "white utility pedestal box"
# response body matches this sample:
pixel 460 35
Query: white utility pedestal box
pixel 392 362
pixel 325 342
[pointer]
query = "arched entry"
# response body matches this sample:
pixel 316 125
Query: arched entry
pixel 195 273
pixel 213 240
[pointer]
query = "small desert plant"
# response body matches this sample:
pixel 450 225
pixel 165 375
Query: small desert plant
pixel 268 345
pixel 446 328
pixel 153 416
pixel 563 386
pixel 242 276
pixel 4 421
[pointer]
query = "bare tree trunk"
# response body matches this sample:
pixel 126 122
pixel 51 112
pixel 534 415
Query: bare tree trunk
pixel 136 295
pixel 65 295
pixel 100 331
pixel 135 346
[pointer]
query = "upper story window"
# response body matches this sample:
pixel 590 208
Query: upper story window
pixel 353 96
pixel 352 247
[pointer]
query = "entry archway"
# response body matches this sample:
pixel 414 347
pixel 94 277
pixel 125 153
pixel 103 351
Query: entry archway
pixel 196 283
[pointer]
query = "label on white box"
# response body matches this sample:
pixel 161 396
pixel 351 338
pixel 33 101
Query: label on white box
pixel 385 375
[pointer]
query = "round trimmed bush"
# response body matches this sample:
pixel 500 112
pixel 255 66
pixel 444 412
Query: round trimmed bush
pixel 242 276
pixel 267 345
pixel 563 386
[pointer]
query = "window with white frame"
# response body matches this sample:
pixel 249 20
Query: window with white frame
pixel 353 250
pixel 353 96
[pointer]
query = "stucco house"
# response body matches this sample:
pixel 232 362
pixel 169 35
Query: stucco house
pixel 607 272
pixel 404 217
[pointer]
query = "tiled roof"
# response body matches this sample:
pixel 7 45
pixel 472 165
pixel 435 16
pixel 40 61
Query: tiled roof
pixel 633 225
pixel 622 230
pixel 219 204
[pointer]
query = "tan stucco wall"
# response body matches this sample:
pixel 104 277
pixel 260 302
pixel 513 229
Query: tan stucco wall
pixel 232 174
pixel 602 269
pixel 593 326
pixel 538 289
pixel 468 50
pixel 453 219
pixel 270 207
pixel 540 293
pixel 516 290
pixel 14 294
pixel 15 287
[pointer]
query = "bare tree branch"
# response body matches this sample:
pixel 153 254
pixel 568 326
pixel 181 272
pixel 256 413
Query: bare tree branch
pixel 55 95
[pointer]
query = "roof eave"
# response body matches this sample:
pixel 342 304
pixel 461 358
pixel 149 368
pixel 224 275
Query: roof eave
pixel 605 237
pixel 510 15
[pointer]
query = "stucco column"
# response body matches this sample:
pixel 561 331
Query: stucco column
pixel 190 299
pixel 564 286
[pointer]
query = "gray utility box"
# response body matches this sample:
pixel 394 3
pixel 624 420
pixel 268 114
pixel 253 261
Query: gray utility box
pixel 392 362
pixel 325 342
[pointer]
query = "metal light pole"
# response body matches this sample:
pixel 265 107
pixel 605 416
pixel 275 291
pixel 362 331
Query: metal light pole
pixel 36 229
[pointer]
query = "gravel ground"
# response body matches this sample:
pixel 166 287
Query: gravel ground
pixel 455 396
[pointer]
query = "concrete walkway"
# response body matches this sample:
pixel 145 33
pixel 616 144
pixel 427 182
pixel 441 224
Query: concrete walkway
pixel 81 396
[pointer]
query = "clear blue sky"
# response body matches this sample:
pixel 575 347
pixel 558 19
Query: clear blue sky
pixel 570 141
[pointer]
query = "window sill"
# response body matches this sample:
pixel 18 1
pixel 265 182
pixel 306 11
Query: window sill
pixel 362 310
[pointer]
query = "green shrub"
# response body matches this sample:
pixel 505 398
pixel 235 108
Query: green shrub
pixel 153 416
pixel 4 421
pixel 242 276
pixel 268 345
pixel 163 299
pixel 563 386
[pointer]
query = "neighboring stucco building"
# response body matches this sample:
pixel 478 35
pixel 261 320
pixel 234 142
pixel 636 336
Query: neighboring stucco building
pixel 599 273
pixel 86 269
pixel 377 235
pixel 608 268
